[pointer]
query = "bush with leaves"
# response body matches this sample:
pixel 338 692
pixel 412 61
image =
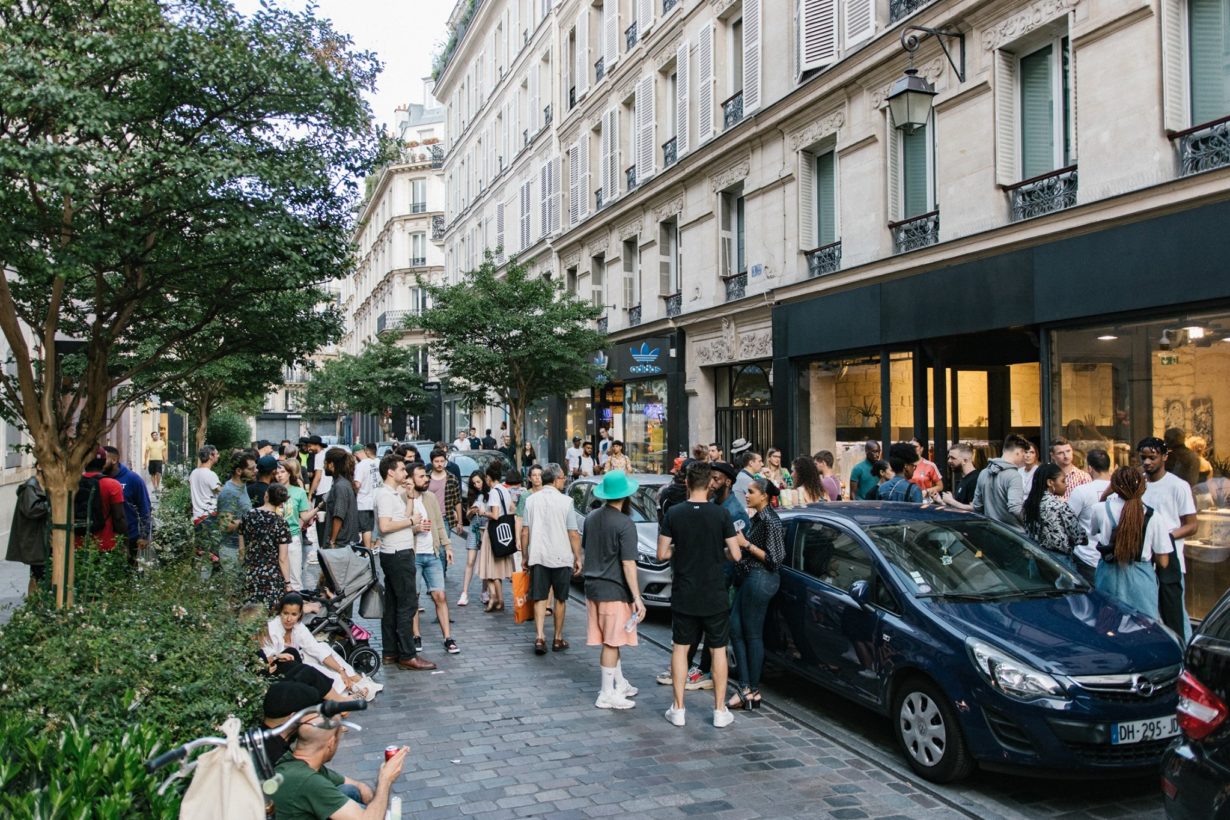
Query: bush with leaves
pixel 228 430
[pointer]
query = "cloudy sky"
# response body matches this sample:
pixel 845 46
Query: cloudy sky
pixel 403 33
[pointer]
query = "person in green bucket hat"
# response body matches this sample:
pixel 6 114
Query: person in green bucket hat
pixel 612 592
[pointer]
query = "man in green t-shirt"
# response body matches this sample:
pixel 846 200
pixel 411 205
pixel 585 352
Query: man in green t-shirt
pixel 863 478
pixel 311 790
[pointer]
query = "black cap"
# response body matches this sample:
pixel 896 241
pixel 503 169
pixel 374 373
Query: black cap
pixel 725 468
pixel 316 440
pixel 265 465
pixel 285 697
pixel 264 443
pixel 303 440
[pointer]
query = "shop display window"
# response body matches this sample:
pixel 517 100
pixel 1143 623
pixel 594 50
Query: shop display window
pixel 644 415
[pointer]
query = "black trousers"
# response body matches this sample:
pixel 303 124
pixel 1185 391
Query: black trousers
pixel 401 602
pixel 1170 598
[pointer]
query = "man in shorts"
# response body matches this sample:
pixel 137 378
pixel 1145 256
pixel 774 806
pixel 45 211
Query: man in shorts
pixel 552 550
pixel 155 456
pixel 611 588
pixel 697 536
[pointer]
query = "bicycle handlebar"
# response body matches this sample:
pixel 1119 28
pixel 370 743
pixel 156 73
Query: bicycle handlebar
pixel 329 708
pixel 169 756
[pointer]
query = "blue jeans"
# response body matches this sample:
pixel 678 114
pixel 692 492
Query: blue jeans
pixel 432 568
pixel 353 793
pixel 747 624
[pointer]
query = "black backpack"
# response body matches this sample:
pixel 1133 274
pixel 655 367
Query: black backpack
pixel 89 517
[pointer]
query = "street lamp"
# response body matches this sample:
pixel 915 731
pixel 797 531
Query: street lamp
pixel 911 97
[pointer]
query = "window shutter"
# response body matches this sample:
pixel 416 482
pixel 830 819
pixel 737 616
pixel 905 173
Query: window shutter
pixel 1006 170
pixel 860 21
pixel 556 194
pixel 1209 47
pixel 574 184
pixel 629 286
pixel 644 17
pixel 604 161
pixel 1037 113
pixel 817 34
pixel 681 99
pixel 704 100
pixel 526 213
pixel 826 198
pixel 807 201
pixel 646 115
pixel 893 147
pixel 531 118
pixel 610 34
pixel 665 251
pixel 914 173
pixel 583 176
pixel 751 55
pixel 1174 85
pixel 499 229
pixel 581 70
pixel 610 185
pixel 544 198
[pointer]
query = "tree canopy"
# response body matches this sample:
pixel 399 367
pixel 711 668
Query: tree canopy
pixel 383 377
pixel 513 338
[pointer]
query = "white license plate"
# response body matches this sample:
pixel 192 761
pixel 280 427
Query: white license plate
pixel 1139 731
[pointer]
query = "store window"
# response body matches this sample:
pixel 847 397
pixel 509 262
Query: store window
pixel 578 417
pixel 1115 384
pixel 645 424
pixel 744 399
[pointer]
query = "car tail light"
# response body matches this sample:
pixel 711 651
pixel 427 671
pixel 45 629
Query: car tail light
pixel 1200 711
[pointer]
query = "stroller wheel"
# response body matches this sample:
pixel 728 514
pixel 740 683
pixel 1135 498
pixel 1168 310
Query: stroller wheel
pixel 365 660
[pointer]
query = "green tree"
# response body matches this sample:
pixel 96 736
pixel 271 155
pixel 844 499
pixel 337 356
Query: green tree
pixel 170 171
pixel 383 378
pixel 513 338
pixel 328 388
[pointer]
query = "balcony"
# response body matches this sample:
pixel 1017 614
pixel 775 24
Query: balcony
pixel 904 8
pixel 602 324
pixel 630 177
pixel 599 69
pixel 824 259
pixel 572 98
pixel 669 152
pixel 393 320
pixel 736 286
pixel 437 156
pixel 418 207
pixel 630 36
pixel 674 305
pixel 525 136
pixel 437 228
pixel 546 116
pixel 1203 147
pixel 915 232
pixel 667 5
pixel 418 261
pixel 1043 194
pixel 634 316
pixel 598 200
pixel 732 110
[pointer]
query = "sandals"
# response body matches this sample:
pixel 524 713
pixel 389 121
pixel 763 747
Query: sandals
pixel 540 646
pixel 746 699
pixel 559 645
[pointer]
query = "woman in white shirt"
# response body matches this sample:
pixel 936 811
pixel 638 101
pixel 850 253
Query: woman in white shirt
pixel 1130 540
pixel 286 629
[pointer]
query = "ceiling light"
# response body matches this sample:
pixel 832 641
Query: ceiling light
pixel 1194 332
pixel 1107 337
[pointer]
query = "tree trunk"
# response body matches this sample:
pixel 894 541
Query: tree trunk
pixel 516 412
pixel 202 427
pixel 59 483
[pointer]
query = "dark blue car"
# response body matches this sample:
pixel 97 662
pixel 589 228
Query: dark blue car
pixel 979 647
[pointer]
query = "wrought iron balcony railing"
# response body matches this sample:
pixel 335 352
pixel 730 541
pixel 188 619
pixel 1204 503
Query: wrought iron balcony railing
pixel 393 320
pixel 546 116
pixel 630 177
pixel 634 316
pixel 599 69
pixel 437 227
pixel 418 261
pixel 418 207
pixel 572 98
pixel 1043 194
pixel 669 153
pixel 1203 147
pixel 824 259
pixel 916 232
pixel 437 156
pixel 732 110
pixel 598 202
pixel 525 136
pixel 736 286
pixel 674 305
pixel 903 8
pixel 630 36
pixel 602 324
pixel 667 5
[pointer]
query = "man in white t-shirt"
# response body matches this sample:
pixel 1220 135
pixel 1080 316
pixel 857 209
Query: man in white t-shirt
pixel 551 539
pixel 462 442
pixel 1082 501
pixel 572 456
pixel 367 476
pixel 204 486
pixel 1171 499
pixel 400 527
pixel 604 446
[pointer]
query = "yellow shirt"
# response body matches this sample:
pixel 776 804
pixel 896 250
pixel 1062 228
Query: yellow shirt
pixel 156 450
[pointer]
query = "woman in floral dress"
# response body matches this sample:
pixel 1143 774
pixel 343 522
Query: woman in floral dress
pixel 264 544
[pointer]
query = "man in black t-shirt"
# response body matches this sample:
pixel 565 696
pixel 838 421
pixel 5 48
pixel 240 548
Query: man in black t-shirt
pixel 964 477
pixel 697 536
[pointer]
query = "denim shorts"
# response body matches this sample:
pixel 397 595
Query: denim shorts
pixel 432 570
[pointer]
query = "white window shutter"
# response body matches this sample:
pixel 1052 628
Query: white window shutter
pixel 581 70
pixel 681 99
pixel 751 55
pixel 527 212
pixel 532 113
pixel 817 34
pixel 704 70
pixel 574 184
pixel 1174 66
pixel 604 161
pixel 644 17
pixel 499 229
pixel 610 34
pixel 893 149
pixel 513 215
pixel 615 159
pixel 807 200
pixel 860 21
pixel 544 198
pixel 646 118
pixel 1006 162
pixel 583 175
pixel 554 182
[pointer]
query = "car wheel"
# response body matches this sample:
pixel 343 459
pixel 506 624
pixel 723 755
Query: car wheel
pixel 928 731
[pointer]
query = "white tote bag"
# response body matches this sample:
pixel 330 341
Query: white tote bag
pixel 225 783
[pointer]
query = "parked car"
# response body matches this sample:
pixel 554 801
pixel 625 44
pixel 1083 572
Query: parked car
pixel 470 460
pixel 383 448
pixel 1196 768
pixel 979 647
pixel 653 575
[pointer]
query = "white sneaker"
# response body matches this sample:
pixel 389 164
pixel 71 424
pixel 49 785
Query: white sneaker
pixel 613 700
pixel 626 689
pixel 676 716
pixel 464 600
pixel 664 678
pixel 723 717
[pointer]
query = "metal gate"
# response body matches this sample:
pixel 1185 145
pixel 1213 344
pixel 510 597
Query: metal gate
pixel 752 423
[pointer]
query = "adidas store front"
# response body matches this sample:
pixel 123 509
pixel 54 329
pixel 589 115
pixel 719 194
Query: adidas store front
pixel 642 402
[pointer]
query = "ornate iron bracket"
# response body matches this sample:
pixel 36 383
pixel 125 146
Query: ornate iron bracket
pixel 910 41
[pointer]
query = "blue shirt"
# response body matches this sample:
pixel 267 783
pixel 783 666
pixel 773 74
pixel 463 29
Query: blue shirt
pixel 737 513
pixel 898 489
pixel 233 500
pixel 136 503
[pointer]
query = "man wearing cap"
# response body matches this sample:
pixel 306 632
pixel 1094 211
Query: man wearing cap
pixel 264 447
pixel 612 592
pixel 572 456
pixel 265 465
pixel 551 536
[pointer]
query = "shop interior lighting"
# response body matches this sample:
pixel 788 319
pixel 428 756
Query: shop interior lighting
pixel 1107 337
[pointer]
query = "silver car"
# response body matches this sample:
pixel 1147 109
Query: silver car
pixel 653 575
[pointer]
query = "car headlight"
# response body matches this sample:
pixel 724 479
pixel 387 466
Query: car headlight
pixel 1011 676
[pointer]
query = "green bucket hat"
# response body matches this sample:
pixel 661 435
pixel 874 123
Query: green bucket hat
pixel 616 485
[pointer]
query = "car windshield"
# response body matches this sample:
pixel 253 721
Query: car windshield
pixel 973 559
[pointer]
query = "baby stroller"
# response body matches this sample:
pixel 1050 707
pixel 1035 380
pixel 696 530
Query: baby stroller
pixel 347 573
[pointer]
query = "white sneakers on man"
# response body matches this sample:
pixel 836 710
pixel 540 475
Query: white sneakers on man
pixel 723 718
pixel 676 716
pixel 626 689
pixel 613 700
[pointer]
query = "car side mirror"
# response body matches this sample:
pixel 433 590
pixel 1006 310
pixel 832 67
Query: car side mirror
pixel 860 591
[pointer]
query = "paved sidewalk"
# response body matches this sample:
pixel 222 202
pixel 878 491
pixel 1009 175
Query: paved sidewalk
pixel 499 732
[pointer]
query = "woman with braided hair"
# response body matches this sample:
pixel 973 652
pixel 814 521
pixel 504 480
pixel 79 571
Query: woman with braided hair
pixel 1130 540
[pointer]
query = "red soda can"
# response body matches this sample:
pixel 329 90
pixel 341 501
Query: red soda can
pixel 389 751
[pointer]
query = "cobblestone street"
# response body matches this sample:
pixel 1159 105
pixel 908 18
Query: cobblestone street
pixel 498 732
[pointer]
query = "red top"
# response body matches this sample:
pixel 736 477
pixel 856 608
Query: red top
pixel 112 494
pixel 926 475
